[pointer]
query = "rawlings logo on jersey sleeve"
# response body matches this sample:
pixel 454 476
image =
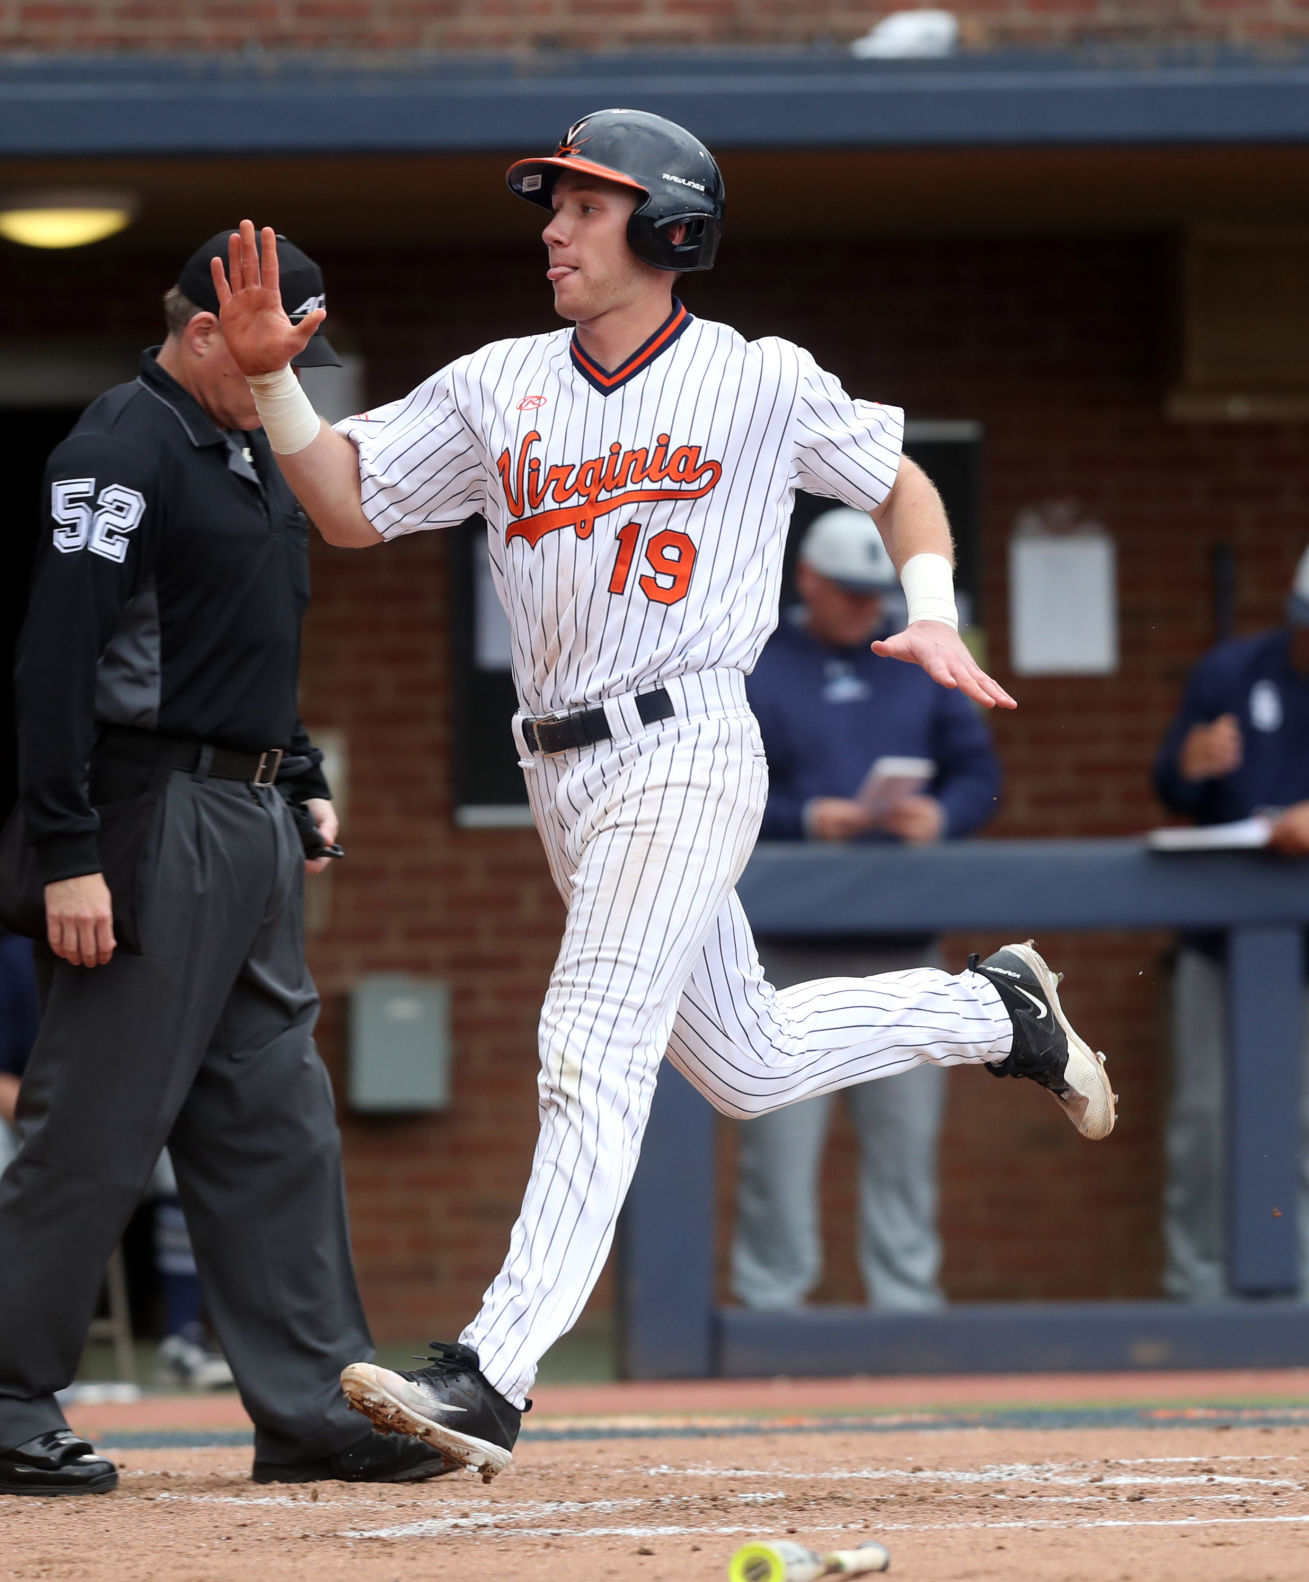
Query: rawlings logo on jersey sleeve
pixel 579 495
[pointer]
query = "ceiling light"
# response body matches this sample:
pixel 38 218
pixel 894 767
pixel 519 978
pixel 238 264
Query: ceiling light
pixel 65 218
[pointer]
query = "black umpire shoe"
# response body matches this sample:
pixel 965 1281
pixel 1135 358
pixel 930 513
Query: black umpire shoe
pixel 375 1459
pixel 447 1403
pixel 57 1462
pixel 1045 1047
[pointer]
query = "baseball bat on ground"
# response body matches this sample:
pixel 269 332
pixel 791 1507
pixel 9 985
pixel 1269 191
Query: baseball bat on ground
pixel 858 1561
pixel 779 1560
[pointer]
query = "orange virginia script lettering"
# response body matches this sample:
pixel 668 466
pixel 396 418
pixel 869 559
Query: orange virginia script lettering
pixel 575 491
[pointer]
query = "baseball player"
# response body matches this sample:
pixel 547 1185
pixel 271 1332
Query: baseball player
pixel 636 473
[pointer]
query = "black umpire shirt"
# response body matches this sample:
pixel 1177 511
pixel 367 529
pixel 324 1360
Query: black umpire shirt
pixel 169 588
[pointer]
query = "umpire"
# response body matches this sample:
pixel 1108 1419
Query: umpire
pixel 161 766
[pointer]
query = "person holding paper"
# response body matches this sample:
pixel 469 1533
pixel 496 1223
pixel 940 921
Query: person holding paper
pixel 1239 745
pixel 858 749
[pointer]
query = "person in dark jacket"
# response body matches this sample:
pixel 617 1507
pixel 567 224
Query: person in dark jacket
pixel 1238 745
pixel 161 764
pixel 829 709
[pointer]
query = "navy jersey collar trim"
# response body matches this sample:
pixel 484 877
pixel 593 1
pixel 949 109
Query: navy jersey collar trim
pixel 607 380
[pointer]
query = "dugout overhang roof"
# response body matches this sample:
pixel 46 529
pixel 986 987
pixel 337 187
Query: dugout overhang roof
pixel 262 104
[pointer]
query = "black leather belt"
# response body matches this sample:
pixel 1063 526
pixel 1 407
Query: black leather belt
pixel 223 763
pixel 560 733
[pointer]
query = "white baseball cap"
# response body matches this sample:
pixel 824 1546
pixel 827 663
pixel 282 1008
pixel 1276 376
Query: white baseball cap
pixel 844 546
pixel 1297 601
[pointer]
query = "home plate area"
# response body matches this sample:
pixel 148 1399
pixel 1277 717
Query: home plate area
pixel 1137 1492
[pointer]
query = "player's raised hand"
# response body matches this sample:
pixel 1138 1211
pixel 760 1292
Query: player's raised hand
pixel 258 332
pixel 942 653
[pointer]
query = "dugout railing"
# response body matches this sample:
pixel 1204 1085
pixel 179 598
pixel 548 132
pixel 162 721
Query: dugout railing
pixel 670 1322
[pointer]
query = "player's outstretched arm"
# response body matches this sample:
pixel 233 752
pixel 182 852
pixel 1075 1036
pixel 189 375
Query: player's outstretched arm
pixel 321 466
pixel 912 521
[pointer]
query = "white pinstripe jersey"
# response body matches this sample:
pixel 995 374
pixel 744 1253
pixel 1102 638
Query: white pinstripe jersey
pixel 637 517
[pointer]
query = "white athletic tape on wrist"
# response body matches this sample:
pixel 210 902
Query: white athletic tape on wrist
pixel 285 411
pixel 928 583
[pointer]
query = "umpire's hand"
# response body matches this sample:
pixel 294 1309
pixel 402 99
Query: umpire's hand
pixel 79 920
pixel 324 816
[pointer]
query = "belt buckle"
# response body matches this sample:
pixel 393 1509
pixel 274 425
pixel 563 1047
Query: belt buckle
pixel 266 770
pixel 532 734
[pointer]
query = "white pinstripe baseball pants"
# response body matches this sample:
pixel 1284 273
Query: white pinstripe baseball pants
pixel 646 835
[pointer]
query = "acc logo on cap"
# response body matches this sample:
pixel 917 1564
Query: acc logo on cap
pixel 309 304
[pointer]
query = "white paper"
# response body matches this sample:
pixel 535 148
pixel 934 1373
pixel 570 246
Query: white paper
pixel 891 781
pixel 1245 834
pixel 1063 607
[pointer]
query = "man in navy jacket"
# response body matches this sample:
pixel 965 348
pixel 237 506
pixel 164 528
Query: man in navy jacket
pixel 829 708
pixel 1238 745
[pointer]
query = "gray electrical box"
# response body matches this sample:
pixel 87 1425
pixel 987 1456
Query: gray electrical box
pixel 399 1044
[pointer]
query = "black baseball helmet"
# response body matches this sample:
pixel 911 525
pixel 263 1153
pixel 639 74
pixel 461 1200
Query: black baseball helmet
pixel 674 171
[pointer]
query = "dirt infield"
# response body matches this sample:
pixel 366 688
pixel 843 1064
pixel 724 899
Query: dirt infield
pixel 1146 1492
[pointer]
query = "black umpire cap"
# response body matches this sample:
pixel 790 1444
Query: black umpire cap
pixel 302 291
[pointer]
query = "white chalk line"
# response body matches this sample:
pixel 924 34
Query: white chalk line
pixel 881 1528
pixel 1090 1498
pixel 527 1519
pixel 491 1516
pixel 1048 1474
pixel 1179 1461
pixel 1100 1521
pixel 304 1502
pixel 750 1529
pixel 492 1521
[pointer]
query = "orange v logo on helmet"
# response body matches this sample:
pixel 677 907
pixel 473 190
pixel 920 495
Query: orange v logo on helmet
pixel 581 494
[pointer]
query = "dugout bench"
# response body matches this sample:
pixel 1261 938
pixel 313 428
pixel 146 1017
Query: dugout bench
pixel 670 1324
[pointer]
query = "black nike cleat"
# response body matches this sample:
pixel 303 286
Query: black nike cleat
pixel 447 1403
pixel 1045 1047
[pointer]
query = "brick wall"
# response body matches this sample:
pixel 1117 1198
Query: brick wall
pixel 525 26
pixel 1061 347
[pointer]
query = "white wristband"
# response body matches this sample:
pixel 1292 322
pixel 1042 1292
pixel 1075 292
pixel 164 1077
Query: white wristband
pixel 285 411
pixel 928 583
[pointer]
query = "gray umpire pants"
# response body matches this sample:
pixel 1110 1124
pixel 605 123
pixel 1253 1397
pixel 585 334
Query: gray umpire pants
pixel 204 1042
pixel 1195 1267
pixel 777 1245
